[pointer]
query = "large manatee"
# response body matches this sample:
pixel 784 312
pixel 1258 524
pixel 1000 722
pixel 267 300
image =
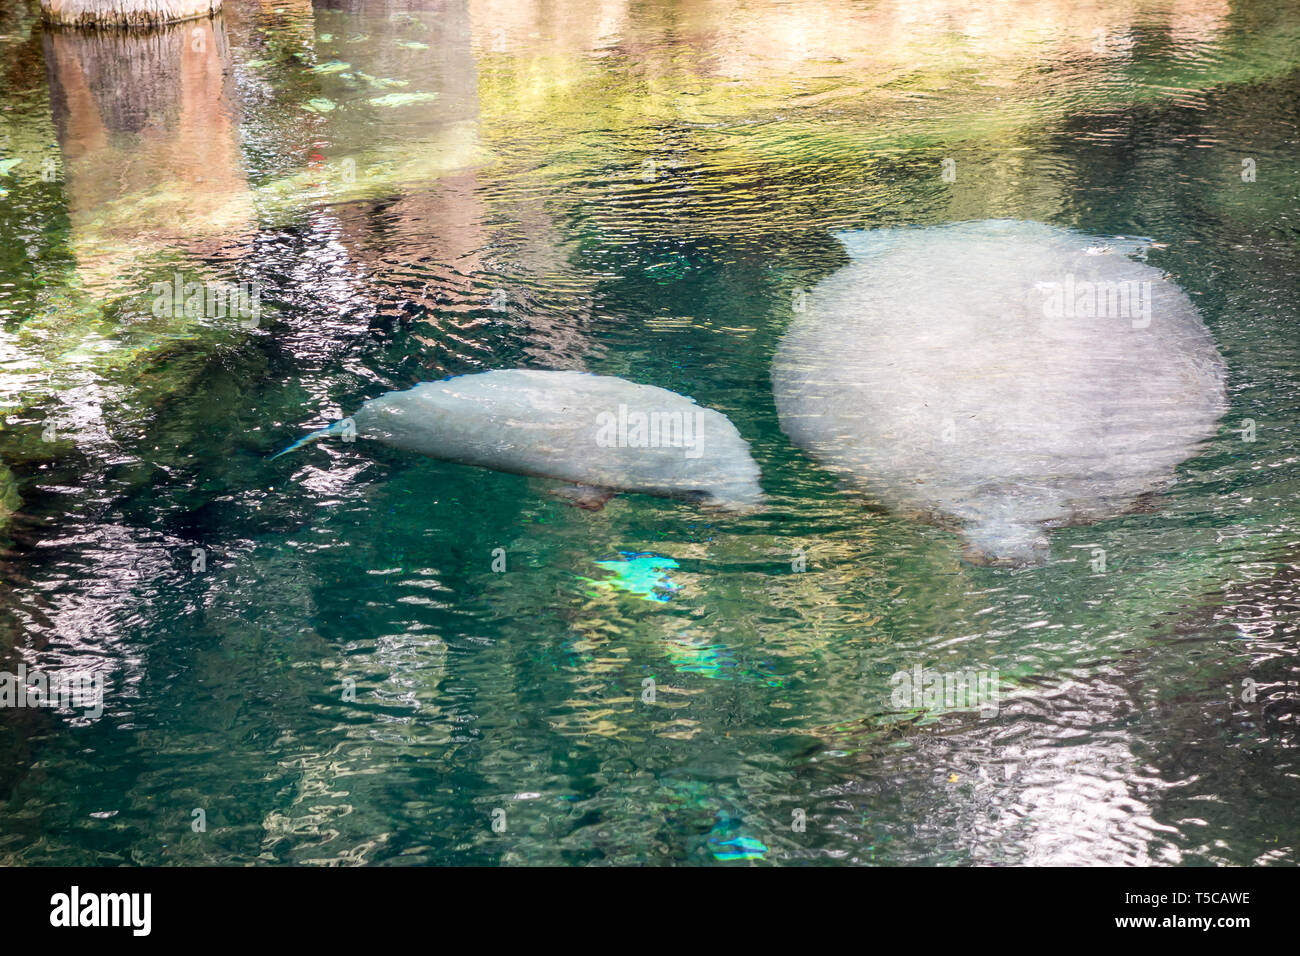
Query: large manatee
pixel 1003 376
pixel 598 433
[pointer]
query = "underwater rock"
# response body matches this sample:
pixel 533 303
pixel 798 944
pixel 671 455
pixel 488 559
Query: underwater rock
pixel 596 432
pixel 1006 376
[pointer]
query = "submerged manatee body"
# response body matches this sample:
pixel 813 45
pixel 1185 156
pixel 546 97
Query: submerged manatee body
pixel 599 433
pixel 1006 376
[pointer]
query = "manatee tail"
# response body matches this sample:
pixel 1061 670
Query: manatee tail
pixel 998 541
pixel 337 428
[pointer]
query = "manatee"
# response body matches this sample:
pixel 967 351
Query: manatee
pixel 598 433
pixel 999 377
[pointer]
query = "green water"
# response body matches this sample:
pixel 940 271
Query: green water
pixel 639 189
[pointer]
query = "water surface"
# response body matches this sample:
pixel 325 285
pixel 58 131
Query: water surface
pixel 641 189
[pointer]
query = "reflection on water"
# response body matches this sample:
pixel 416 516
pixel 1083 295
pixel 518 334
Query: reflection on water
pixel 149 144
pixel 318 652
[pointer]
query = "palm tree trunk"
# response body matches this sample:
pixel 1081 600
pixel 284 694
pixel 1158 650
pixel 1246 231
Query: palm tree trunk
pixel 124 13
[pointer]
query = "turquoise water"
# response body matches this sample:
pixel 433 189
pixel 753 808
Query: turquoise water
pixel 643 190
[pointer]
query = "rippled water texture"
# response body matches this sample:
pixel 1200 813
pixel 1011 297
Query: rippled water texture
pixel 356 654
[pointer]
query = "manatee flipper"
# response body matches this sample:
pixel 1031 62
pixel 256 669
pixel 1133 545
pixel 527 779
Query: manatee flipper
pixel 865 243
pixel 587 497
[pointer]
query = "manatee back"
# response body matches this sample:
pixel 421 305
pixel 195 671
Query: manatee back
pixel 571 426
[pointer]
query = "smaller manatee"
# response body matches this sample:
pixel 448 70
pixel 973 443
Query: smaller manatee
pixel 598 433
